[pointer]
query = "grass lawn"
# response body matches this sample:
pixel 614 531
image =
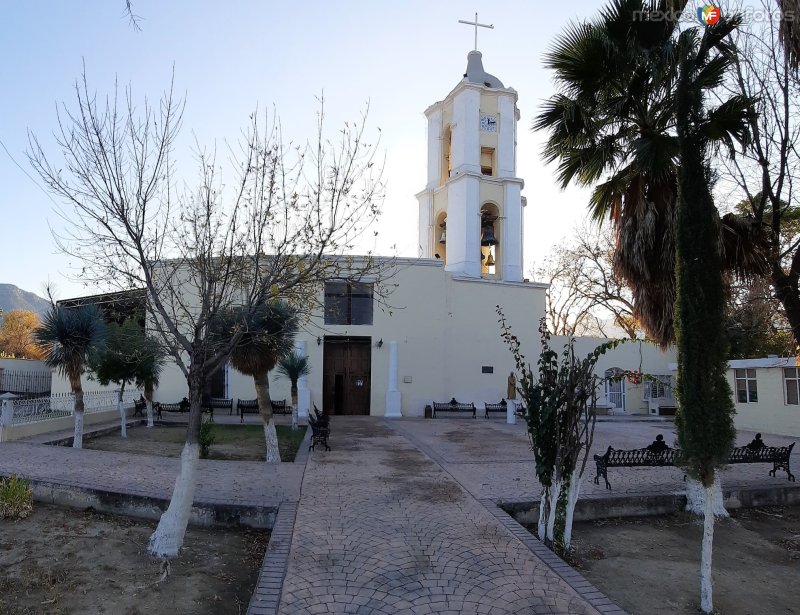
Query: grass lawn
pixel 251 437
pixel 231 442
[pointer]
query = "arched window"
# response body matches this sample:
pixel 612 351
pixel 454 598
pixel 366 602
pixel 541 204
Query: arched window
pixel 489 243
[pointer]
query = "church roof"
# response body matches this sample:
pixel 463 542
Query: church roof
pixel 476 74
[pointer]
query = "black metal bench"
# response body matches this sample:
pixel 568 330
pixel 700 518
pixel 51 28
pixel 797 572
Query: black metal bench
pixel 217 403
pixel 453 406
pixel 140 408
pixel 501 407
pixel 279 407
pixel 181 406
pixel 320 429
pixel 663 455
pixel 246 406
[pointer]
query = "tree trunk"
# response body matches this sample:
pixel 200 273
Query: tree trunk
pixel 706 590
pixel 696 497
pixel 555 489
pixel 122 416
pixel 294 406
pixel 77 411
pixel 167 540
pixel 265 408
pixel 148 399
pixel 786 291
pixel 572 498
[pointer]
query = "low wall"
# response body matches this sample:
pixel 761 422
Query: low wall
pixel 64 423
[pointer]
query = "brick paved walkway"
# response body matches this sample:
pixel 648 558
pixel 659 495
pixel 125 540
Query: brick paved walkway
pixel 381 528
pixel 243 483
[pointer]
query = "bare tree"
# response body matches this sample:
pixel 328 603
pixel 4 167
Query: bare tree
pixel 280 226
pixel 585 292
pixel 762 178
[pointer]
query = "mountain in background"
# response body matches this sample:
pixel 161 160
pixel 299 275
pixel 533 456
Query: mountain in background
pixel 14 298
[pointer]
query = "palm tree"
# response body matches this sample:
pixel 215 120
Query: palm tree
pixel 268 338
pixel 294 366
pixel 612 126
pixel 148 370
pixel 68 336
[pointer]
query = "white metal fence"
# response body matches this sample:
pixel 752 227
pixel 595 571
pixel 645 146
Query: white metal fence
pixel 62 404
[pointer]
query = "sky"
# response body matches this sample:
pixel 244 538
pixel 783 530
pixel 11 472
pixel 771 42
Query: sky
pixel 230 58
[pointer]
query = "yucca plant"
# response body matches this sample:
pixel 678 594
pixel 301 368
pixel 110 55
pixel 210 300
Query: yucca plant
pixel 294 366
pixel 268 338
pixel 16 498
pixel 68 337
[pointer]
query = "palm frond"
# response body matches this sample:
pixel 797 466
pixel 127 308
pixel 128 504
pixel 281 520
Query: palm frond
pixel 68 336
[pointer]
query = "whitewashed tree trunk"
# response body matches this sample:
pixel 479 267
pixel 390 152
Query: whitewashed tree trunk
pixel 551 517
pixel 271 437
pixel 167 540
pixel 572 499
pixel 149 405
pixel 544 512
pixel 77 436
pixel 122 418
pixel 294 417
pixel 706 589
pixel 696 497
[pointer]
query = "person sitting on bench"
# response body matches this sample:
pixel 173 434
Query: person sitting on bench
pixel 756 444
pixel 658 445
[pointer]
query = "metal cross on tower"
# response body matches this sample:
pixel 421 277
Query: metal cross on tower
pixel 477 25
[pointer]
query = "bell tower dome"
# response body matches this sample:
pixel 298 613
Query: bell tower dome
pixel 471 210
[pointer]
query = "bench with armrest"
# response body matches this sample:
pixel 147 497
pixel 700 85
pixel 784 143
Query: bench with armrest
pixel 181 406
pixel 140 407
pixel 320 429
pixel 279 406
pixel 500 408
pixel 217 403
pixel 453 406
pixel 659 454
pixel 246 406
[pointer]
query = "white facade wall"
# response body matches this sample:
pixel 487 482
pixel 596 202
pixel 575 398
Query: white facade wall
pixel 771 413
pixel 634 355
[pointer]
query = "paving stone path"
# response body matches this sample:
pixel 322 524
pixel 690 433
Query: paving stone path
pixel 381 528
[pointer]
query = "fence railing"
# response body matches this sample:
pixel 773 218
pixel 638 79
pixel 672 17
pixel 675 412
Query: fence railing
pixel 62 404
pixel 22 382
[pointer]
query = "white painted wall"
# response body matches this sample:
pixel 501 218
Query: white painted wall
pixel 771 414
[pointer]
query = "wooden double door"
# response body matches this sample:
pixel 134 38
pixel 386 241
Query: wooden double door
pixel 346 371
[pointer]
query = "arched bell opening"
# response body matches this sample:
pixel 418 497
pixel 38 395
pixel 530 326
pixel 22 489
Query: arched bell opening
pixel 440 237
pixel 490 245
pixel 447 151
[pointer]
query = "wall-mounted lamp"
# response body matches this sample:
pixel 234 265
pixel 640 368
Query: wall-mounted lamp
pixel 379 343
pixel 319 341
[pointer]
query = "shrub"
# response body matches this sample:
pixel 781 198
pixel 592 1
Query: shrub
pixel 206 438
pixel 16 498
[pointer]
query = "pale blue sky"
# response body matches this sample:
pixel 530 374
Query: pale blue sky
pixel 231 57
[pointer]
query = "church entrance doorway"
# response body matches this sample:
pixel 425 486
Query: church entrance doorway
pixel 346 367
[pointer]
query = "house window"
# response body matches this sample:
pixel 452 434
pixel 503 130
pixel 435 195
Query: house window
pixel 487 161
pixel 659 387
pixel 746 386
pixel 791 378
pixel 348 304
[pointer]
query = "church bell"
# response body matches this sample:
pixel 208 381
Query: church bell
pixel 490 260
pixel 443 238
pixel 487 236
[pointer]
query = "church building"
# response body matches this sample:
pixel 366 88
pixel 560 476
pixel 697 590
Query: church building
pixel 436 336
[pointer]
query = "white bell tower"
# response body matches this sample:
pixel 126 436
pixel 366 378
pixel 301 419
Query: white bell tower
pixel 471 210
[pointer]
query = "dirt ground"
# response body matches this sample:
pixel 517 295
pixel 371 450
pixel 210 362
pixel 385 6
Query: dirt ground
pixel 232 442
pixel 650 565
pixel 60 561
